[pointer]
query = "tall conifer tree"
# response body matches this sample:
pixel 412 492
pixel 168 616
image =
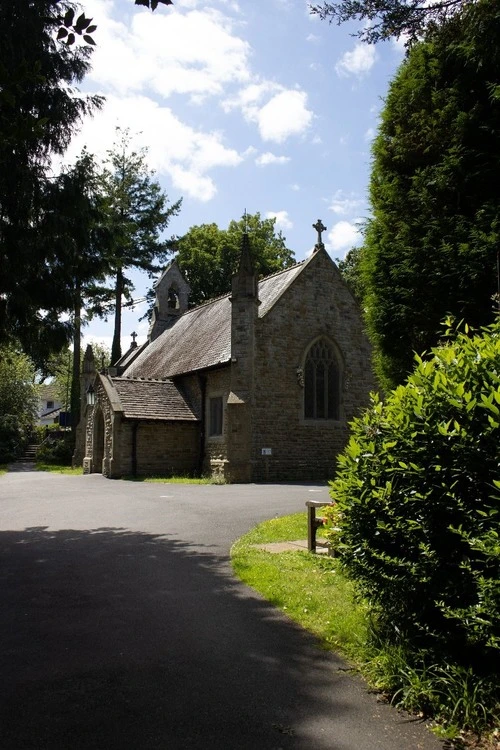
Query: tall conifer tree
pixel 432 244
pixel 138 211
pixel 39 111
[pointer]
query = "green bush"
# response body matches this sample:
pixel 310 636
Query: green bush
pixel 418 499
pixel 12 438
pixel 56 451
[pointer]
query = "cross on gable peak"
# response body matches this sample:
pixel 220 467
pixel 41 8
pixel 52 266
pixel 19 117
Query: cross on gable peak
pixel 320 228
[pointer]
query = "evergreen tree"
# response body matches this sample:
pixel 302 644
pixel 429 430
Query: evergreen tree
pixel 39 111
pixel 385 19
pixel 432 244
pixel 208 256
pixel 138 212
pixel 77 228
pixel 45 51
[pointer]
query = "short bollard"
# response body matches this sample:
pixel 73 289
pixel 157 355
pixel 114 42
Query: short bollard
pixel 313 524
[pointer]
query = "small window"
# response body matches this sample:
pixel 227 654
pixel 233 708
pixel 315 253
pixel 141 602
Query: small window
pixel 50 404
pixel 321 383
pixel 173 299
pixel 215 416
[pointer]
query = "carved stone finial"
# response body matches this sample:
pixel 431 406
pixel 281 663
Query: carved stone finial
pixel 320 228
pixel 134 343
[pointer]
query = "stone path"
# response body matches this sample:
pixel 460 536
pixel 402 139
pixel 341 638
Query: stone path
pixel 298 546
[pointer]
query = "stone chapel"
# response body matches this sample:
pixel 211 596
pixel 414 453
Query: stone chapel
pixel 258 385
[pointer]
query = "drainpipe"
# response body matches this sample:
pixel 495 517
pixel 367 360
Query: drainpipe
pixel 135 427
pixel 202 380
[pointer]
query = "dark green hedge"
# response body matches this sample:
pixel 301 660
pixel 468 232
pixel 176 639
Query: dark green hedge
pixel 418 500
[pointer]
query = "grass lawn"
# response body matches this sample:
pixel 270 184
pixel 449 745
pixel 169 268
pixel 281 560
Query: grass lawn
pixel 312 591
pixel 173 480
pixel 308 588
pixel 56 469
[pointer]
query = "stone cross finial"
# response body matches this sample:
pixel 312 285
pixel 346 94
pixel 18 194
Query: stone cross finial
pixel 319 227
pixel 134 336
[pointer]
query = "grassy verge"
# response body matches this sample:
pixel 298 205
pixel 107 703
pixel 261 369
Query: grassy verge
pixel 58 469
pixel 173 480
pixel 308 588
pixel 3 469
pixel 312 591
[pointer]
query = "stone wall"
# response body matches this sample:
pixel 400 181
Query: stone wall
pixel 163 448
pixel 317 304
pixel 217 384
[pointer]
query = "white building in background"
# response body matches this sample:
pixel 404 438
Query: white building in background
pixel 49 405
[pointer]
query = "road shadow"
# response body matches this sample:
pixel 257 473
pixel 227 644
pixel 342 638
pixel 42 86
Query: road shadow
pixel 117 639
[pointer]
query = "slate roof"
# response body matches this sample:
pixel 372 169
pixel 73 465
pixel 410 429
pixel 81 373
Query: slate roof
pixel 201 338
pixel 129 356
pixel 152 399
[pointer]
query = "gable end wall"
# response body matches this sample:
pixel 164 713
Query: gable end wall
pixel 316 304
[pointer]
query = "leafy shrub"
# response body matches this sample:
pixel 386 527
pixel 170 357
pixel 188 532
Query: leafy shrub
pixel 12 438
pixel 418 499
pixel 56 451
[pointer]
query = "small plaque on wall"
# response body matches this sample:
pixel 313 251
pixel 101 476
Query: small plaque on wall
pixel 267 451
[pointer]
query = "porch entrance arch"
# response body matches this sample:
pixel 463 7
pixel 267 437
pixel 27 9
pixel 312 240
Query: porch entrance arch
pixel 98 443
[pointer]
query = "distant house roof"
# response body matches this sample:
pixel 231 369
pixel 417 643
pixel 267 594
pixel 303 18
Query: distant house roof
pixel 152 399
pixel 48 392
pixel 201 338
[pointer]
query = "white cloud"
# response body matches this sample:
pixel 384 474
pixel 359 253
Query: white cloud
pixel 345 203
pixel 370 134
pixel 192 52
pixel 343 235
pixel 268 158
pixel 286 114
pixel 283 221
pixel 313 38
pixel 184 154
pixel 249 98
pixel 295 187
pixel 357 62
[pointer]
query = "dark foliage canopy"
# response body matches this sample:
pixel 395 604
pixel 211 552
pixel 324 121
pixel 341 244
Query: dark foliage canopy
pixel 39 110
pixel 431 247
pixel 385 19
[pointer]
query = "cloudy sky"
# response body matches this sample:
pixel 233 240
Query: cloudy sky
pixel 242 104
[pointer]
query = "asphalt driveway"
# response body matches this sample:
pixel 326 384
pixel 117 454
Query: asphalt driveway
pixel 122 627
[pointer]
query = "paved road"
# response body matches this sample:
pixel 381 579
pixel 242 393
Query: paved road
pixel 122 628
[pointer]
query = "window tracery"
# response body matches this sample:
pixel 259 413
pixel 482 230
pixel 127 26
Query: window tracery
pixel 321 382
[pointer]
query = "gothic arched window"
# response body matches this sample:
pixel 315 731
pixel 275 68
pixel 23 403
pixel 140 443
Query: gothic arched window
pixel 321 382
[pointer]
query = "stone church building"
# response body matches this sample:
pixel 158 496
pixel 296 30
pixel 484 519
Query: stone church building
pixel 255 386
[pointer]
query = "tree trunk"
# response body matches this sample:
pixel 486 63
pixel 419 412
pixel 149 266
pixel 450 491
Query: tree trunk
pixel 116 349
pixel 77 345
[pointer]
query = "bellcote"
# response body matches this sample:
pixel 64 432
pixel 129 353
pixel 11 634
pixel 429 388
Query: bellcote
pixel 172 300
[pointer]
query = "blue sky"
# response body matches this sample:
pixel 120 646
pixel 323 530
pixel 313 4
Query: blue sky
pixel 242 105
